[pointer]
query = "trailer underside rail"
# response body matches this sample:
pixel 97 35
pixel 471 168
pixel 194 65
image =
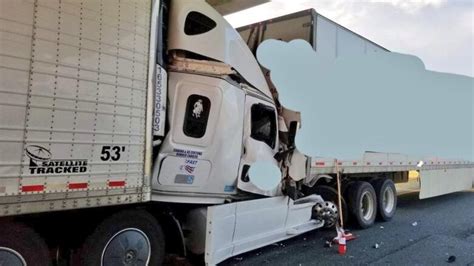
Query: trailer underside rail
pixel 383 162
pixel 437 176
pixel 43 202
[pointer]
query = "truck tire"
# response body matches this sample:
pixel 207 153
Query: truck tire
pixel 129 237
pixel 20 245
pixel 362 203
pixel 386 198
pixel 330 194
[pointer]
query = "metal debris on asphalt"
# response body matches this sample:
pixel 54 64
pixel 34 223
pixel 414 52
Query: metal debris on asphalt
pixel 328 244
pixel 451 259
pixel 414 224
pixel 376 246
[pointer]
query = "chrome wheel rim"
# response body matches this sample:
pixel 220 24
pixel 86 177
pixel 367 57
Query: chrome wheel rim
pixel 388 200
pixel 327 212
pixel 366 205
pixel 11 257
pixel 129 246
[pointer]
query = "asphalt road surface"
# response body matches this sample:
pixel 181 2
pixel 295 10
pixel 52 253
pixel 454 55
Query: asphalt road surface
pixel 444 227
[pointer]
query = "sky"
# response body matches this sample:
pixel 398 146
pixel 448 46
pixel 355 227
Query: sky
pixel 440 32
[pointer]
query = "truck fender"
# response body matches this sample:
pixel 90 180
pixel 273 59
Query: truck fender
pixel 174 235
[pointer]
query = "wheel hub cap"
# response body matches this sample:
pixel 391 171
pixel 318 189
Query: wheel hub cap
pixel 128 247
pixel 366 206
pixel 130 256
pixel 11 257
pixel 388 200
pixel 327 212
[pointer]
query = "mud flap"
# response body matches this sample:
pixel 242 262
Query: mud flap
pixel 443 181
pixel 239 227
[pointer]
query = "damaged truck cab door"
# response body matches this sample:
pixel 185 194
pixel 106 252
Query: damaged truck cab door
pixel 260 144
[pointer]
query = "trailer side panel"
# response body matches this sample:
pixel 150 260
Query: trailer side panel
pixel 73 98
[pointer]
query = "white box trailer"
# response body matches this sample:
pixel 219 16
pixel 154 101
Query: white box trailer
pixel 132 128
pixel 74 79
pixel 332 41
pixel 325 36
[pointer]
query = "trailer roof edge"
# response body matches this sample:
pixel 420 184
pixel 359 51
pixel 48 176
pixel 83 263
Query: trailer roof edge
pixel 304 12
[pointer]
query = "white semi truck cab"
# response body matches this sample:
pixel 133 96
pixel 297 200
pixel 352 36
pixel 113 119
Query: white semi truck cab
pixel 221 113
pixel 131 129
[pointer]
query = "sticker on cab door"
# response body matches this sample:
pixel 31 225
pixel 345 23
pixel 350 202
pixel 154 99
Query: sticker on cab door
pixel 229 188
pixel 184 179
pixel 189 166
pixel 187 153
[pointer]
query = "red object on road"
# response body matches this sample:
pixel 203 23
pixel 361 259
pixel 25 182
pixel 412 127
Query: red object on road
pixel 342 246
pixel 341 239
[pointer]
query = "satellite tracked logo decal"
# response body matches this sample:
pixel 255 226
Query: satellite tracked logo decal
pixel 41 162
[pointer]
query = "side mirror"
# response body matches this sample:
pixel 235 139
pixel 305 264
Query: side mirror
pixel 292 133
